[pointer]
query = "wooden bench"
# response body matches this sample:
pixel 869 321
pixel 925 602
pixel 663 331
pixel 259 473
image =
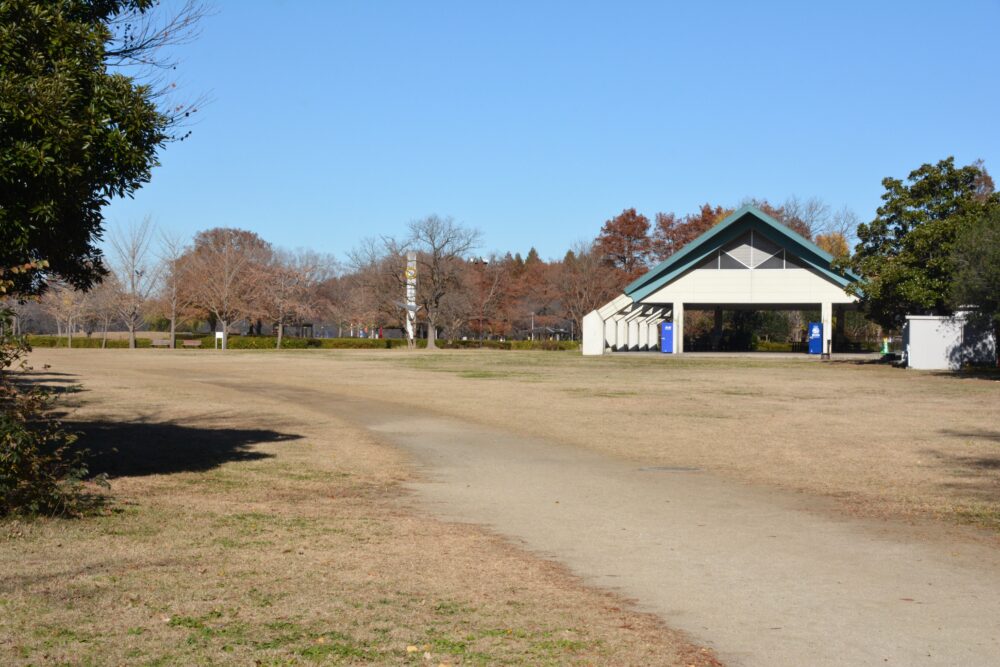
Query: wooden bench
pixel 191 343
pixel 161 342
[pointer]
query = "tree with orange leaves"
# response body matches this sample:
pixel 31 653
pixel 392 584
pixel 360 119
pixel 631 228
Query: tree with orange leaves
pixel 834 243
pixel 624 244
pixel 672 233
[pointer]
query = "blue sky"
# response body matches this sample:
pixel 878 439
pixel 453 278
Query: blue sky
pixel 537 121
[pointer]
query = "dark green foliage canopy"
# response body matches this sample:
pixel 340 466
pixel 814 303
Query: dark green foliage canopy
pixel 905 254
pixel 73 135
pixel 976 258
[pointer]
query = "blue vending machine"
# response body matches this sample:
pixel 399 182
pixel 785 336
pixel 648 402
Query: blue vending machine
pixel 667 337
pixel 815 338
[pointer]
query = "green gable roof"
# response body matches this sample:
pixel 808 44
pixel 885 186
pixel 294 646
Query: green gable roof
pixel 734 225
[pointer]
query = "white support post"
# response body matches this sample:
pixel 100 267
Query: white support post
pixel 826 315
pixel 678 328
pixel 621 334
pixel 633 335
pixel 592 334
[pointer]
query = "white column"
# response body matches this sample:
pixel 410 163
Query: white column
pixel 621 334
pixel 678 328
pixel 592 334
pixel 826 314
pixel 610 333
pixel 633 335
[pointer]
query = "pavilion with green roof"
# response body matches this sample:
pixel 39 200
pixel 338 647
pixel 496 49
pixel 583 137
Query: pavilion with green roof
pixel 749 261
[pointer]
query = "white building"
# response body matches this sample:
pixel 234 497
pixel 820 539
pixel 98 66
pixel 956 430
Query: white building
pixel 933 342
pixel 748 261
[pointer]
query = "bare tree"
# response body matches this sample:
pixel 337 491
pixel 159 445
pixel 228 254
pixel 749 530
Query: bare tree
pixel 223 274
pixel 489 281
pixel 135 275
pixel 585 282
pixel 813 212
pixel 172 297
pixel 441 245
pixel 290 281
pixel 102 305
pixel 140 42
pixel 15 311
pixel 845 223
pixel 66 305
pixel 377 282
pixel 455 310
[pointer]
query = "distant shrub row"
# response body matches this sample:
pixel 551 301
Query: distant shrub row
pixel 81 341
pixel 268 343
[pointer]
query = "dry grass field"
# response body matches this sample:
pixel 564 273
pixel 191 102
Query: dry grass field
pixel 244 527
pixel 882 441
pixel 243 530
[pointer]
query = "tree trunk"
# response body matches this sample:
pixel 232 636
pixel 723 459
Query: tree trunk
pixel 225 333
pixel 173 329
pixel 69 333
pixel 281 329
pixel 431 334
pixel 131 335
pixel 104 336
pixel 996 341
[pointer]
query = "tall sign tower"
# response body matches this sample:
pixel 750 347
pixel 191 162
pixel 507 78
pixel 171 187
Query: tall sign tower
pixel 411 299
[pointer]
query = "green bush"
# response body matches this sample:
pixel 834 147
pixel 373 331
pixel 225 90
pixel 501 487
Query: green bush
pixel 41 472
pixel 259 343
pixel 549 345
pixel 473 344
pixel 83 342
pixel 364 343
pixel 774 346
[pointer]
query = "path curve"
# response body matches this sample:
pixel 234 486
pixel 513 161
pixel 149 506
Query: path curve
pixel 764 577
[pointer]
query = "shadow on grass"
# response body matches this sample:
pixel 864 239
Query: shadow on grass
pixel 890 361
pixel 125 449
pixel 58 383
pixel 971 373
pixel 977 476
pixel 978 434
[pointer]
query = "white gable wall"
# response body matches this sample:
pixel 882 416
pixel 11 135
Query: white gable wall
pixel 763 286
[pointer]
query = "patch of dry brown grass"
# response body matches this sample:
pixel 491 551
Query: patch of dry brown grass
pixel 265 533
pixel 884 442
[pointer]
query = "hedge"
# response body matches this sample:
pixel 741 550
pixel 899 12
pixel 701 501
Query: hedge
pixel 291 343
pixel 82 341
pixel 774 346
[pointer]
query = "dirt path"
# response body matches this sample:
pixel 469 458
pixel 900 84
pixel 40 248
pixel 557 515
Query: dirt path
pixel 765 578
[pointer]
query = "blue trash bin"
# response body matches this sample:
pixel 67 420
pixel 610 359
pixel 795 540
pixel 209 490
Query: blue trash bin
pixel 667 337
pixel 815 338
